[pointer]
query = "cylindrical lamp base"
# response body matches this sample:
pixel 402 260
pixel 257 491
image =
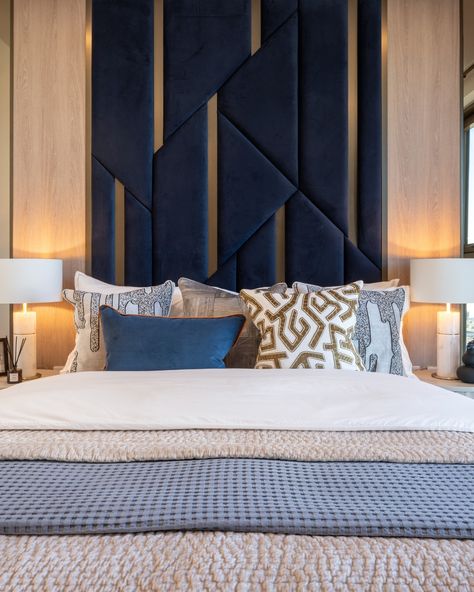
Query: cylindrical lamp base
pixel 448 347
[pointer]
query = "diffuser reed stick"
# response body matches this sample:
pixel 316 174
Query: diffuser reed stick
pixel 16 353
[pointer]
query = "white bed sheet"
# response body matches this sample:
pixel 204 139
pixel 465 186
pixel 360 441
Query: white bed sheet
pixel 234 399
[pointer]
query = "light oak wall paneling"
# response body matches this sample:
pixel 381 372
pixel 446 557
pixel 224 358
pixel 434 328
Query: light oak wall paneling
pixel 424 140
pixel 49 151
pixel 5 145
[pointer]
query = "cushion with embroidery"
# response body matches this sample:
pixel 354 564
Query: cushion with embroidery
pixel 312 330
pixel 89 350
pixel 378 334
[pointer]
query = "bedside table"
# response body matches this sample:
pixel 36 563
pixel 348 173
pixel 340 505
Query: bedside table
pixel 456 386
pixel 44 373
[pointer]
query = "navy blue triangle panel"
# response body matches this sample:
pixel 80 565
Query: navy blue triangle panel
pixel 122 92
pixel 205 43
pixel 262 99
pixel 250 189
pixel 138 242
pixel 274 13
pixel 180 203
pixel 323 107
pixel 256 259
pixel 369 176
pixel 226 275
pixel 357 266
pixel 314 245
pixel 103 223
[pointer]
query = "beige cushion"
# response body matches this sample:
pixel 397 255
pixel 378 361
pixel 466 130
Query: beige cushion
pixel 201 300
pixel 311 330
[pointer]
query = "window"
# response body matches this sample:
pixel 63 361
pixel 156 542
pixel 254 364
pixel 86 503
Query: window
pixel 469 210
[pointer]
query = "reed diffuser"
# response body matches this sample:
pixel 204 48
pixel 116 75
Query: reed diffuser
pixel 15 375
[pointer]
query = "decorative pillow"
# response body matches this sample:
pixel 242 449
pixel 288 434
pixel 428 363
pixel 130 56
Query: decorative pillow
pixel 311 330
pixel 201 300
pixel 89 352
pixel 160 343
pixel 378 334
pixel 302 287
pixel 86 283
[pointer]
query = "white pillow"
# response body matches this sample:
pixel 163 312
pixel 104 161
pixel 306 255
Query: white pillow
pixel 87 283
pixel 312 330
pixel 89 352
pixel 303 287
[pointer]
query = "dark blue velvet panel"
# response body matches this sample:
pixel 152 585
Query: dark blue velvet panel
pixel 369 176
pixel 138 242
pixel 180 203
pixel 323 108
pixel 261 99
pixel 314 245
pixel 274 13
pixel 250 189
pixel 282 140
pixel 122 97
pixel 256 261
pixel 103 223
pixel 205 43
pixel 357 266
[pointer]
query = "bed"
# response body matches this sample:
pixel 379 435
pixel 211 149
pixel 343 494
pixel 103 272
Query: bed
pixel 235 479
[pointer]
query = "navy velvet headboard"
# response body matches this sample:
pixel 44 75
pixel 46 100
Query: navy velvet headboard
pixel 282 141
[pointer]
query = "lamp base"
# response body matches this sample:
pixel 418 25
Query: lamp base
pixel 37 375
pixel 434 375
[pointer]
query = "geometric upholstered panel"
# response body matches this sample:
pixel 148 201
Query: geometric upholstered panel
pixel 282 141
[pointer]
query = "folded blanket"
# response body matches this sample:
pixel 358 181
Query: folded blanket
pixel 239 495
pixel 121 446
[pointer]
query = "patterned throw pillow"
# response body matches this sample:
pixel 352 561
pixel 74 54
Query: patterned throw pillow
pixel 89 351
pixel 311 330
pixel 201 300
pixel 378 334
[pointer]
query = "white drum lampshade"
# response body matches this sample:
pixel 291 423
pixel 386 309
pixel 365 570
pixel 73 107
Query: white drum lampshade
pixel 446 281
pixel 29 281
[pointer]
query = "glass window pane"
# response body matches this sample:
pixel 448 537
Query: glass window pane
pixel 470 184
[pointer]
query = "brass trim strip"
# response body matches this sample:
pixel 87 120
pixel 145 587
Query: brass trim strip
pixel 88 49
pixel 280 233
pixel 256 24
pixel 212 170
pixel 119 233
pixel 158 73
pixel 384 48
pixel 352 105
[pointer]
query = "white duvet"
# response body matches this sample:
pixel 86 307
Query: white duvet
pixel 233 399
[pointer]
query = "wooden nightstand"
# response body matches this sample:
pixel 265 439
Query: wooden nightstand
pixel 44 373
pixel 456 386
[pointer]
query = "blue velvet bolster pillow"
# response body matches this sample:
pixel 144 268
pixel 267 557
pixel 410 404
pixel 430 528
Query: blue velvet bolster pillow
pixel 134 342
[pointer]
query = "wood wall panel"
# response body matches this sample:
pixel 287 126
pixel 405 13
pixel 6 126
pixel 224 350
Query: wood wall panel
pixel 49 151
pixel 5 116
pixel 424 140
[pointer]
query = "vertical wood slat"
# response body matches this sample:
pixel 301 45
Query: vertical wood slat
pixel 5 160
pixel 49 151
pixel 212 198
pixel 424 139
pixel 352 117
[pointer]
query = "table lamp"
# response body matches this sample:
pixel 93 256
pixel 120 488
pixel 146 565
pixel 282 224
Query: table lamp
pixel 29 281
pixel 446 281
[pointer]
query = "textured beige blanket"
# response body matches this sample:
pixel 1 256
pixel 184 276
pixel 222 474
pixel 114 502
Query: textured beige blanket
pixel 235 561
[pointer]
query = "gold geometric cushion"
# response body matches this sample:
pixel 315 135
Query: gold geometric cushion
pixel 311 330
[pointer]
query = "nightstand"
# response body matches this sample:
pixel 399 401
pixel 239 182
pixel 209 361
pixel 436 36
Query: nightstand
pixel 44 373
pixel 456 386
